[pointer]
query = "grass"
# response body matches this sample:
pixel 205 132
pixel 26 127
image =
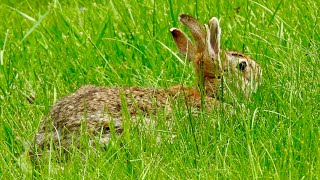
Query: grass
pixel 51 48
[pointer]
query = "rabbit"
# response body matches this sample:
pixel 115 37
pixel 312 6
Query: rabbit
pixel 213 64
pixel 102 107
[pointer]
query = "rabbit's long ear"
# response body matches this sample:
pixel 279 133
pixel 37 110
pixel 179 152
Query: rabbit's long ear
pixel 196 30
pixel 213 35
pixel 183 43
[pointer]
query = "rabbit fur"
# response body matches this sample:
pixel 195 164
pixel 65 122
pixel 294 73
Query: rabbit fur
pixel 102 107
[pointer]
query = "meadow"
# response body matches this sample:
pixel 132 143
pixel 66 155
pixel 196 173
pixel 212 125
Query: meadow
pixel 49 49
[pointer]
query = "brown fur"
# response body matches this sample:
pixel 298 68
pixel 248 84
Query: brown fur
pixel 211 63
pixel 98 107
pixel 101 108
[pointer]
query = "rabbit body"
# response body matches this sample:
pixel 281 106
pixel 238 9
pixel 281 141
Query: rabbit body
pixel 103 108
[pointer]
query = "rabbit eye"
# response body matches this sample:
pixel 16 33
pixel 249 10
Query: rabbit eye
pixel 242 65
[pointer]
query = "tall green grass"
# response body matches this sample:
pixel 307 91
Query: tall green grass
pixel 51 48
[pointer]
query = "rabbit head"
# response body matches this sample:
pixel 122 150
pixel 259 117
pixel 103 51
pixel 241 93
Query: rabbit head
pixel 209 61
pixel 243 72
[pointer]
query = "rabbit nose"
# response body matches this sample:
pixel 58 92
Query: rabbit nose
pixel 242 65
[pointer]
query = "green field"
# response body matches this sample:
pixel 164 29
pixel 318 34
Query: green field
pixel 50 48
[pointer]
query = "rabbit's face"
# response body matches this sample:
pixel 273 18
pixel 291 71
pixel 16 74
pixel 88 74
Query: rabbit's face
pixel 208 60
pixel 242 72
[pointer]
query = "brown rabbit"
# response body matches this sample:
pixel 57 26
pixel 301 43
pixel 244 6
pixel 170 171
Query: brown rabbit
pixel 211 63
pixel 102 107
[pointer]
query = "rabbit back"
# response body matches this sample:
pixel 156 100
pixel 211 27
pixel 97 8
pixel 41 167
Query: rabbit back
pixel 96 108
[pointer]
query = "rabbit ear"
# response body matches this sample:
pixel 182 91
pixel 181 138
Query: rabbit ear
pixel 196 30
pixel 213 35
pixel 183 43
